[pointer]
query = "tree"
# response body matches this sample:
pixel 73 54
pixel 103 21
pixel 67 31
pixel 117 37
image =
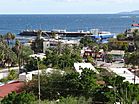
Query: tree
pixel 136 38
pixel 37 45
pixel 132 58
pixel 22 52
pixel 17 50
pixel 121 36
pixel 74 100
pixel 96 50
pixel 68 100
pixel 6 55
pixel 25 52
pixel 10 57
pixel 12 75
pixel 8 37
pixel 22 98
pixel 1 38
pixel 56 85
pixel 115 44
pixel 105 49
pixel 32 65
pixel 127 58
pixel 62 58
pixel 12 37
pixel 108 58
pixel 9 99
pixel 2 55
pixel 90 59
pixel 87 41
pixel 53 35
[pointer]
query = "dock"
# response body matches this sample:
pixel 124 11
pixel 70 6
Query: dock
pixel 50 33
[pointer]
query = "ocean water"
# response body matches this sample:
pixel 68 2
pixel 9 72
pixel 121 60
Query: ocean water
pixel 114 23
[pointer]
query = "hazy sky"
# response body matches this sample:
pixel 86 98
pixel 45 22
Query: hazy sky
pixel 66 6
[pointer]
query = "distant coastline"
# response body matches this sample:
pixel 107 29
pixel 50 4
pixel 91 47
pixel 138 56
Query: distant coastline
pixel 131 12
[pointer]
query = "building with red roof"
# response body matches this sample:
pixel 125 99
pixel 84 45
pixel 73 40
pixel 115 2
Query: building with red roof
pixel 10 87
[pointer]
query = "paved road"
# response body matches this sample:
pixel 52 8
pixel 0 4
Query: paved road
pixel 4 72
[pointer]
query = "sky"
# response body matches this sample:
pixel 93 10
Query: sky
pixel 67 6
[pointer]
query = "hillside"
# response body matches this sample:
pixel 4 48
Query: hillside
pixel 131 12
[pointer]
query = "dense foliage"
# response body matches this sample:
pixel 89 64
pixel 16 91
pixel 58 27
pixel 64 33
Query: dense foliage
pixel 54 86
pixel 57 85
pixel 63 57
pixel 71 87
pixel 87 41
pixel 22 98
pixel 7 56
pixel 10 53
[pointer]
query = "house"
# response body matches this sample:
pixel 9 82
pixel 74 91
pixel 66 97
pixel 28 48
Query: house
pixel 25 77
pixel 39 55
pixel 89 52
pixel 52 43
pixel 130 31
pixel 117 55
pixel 29 75
pixel 79 66
pixel 124 72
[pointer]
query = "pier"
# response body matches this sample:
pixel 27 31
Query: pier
pixel 50 33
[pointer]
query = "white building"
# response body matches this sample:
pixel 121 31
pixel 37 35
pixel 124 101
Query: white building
pixel 79 66
pixel 28 77
pixel 124 72
pixel 39 55
pixel 52 43
pixel 117 55
pixel 25 77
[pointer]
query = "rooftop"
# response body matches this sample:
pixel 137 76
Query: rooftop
pixel 10 87
pixel 124 72
pixel 117 52
pixel 77 67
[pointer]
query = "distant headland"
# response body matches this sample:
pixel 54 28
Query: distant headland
pixel 131 12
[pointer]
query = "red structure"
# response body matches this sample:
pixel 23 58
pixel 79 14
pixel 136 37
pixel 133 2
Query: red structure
pixel 92 54
pixel 8 88
pixel 135 25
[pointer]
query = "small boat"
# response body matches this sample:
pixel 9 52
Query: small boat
pixel 135 25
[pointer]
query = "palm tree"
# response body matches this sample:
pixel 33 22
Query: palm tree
pixel 37 45
pixel 12 37
pixel 132 58
pixel 1 38
pixel 96 50
pixel 17 50
pixel 59 48
pixel 136 38
pixel 39 34
pixel 105 49
pixel 8 37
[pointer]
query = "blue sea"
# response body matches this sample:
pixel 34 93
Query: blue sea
pixel 114 23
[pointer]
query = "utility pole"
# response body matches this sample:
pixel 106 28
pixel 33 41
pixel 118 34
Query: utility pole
pixel 38 79
pixel 135 76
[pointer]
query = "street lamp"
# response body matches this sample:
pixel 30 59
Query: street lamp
pixel 38 79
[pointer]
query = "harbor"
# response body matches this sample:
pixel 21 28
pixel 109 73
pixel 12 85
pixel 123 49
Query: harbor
pixel 96 34
pixel 69 52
